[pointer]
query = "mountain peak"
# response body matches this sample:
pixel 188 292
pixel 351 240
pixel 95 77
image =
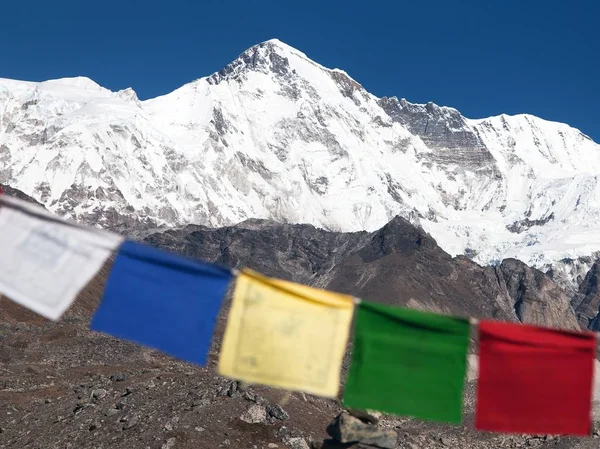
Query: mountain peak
pixel 276 44
pixel 398 235
pixel 271 56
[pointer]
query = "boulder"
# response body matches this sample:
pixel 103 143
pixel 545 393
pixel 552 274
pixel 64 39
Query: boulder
pixel 277 412
pixel 367 416
pixel 333 444
pixel 254 415
pixel 348 429
pixel 298 443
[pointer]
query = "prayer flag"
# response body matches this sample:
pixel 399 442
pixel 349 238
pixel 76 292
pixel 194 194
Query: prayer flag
pixel 161 300
pixel 286 335
pixel 534 380
pixel 46 261
pixel 408 362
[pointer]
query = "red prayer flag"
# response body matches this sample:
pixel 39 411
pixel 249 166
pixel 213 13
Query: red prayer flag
pixel 534 380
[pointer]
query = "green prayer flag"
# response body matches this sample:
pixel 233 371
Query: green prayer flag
pixel 408 362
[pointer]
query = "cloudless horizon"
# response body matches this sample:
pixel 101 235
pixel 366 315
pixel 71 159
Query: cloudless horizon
pixel 536 57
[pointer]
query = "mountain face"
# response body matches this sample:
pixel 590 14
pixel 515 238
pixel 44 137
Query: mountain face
pixel 277 136
pixel 398 264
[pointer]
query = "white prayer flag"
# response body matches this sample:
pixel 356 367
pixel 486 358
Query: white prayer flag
pixel 45 261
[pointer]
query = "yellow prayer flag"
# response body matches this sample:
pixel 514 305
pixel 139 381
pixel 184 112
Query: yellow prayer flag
pixel 286 335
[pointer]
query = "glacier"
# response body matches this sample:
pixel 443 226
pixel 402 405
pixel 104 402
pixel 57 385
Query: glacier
pixel 275 135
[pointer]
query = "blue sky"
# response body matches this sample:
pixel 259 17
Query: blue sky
pixel 481 57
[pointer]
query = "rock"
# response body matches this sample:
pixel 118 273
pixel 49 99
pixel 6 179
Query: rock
pixel 367 416
pixel 298 443
pixel 169 443
pixel 277 412
pixel 118 377
pixel 199 429
pixel 333 444
pixel 254 415
pixel 130 422
pixel 538 300
pixel 168 426
pixel 99 393
pixel 249 396
pixel 233 388
pixel 112 411
pixel 128 391
pixel 272 446
pixel 348 429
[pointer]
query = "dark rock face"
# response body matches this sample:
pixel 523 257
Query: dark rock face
pixel 536 298
pixel 348 87
pixel 438 127
pixel 262 57
pixel 294 252
pixel 8 190
pixel 587 300
pixel 523 225
pixel 397 265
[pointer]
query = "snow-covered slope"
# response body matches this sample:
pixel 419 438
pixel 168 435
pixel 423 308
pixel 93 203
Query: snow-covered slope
pixel 275 135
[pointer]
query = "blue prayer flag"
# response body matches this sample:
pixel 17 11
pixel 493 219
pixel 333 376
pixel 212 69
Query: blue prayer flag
pixel 161 300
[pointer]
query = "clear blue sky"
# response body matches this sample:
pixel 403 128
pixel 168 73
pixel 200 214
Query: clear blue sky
pixel 482 57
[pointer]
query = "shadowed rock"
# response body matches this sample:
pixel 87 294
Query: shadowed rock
pixel 536 298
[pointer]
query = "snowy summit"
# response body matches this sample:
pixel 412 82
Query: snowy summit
pixel 275 135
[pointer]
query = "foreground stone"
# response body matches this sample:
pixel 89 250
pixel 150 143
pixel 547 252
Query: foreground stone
pixel 298 443
pixel 333 444
pixel 254 415
pixel 348 429
pixel 277 412
pixel 368 416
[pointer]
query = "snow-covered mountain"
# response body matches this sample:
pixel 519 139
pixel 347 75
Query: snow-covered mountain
pixel 276 135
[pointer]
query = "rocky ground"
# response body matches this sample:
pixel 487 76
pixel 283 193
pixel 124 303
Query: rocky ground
pixel 62 386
